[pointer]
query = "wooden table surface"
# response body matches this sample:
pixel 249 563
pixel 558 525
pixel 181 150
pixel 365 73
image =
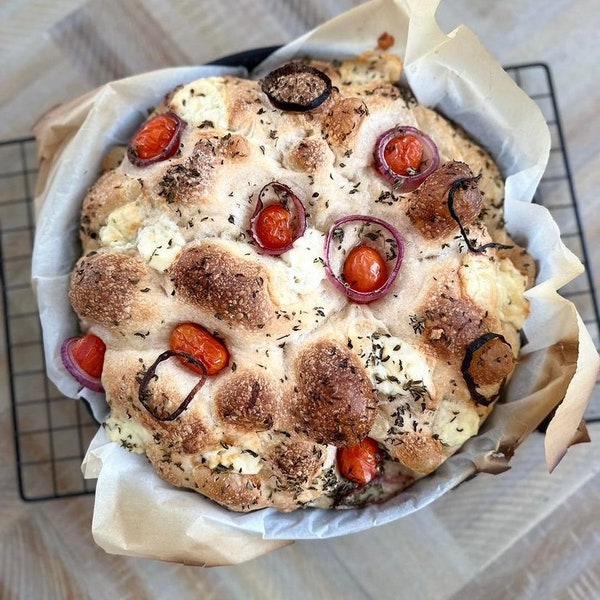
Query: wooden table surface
pixel 524 534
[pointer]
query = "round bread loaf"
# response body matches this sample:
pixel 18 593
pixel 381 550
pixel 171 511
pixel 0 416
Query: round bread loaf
pixel 326 395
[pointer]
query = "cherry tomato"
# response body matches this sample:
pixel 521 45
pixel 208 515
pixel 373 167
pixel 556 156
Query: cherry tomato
pixel 364 269
pixel 360 463
pixel 88 352
pixel 404 154
pixel 202 345
pixel 155 136
pixel 274 227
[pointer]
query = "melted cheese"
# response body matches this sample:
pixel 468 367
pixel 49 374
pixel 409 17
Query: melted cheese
pixel 304 259
pixel 398 372
pixel 157 239
pixel 122 226
pixel 454 425
pixel 392 364
pixel 203 101
pixel 127 433
pixel 233 458
pixel 496 284
pixel 159 243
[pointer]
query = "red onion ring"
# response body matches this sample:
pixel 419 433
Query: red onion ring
pixel 86 380
pixel 297 87
pixel 281 195
pixel 396 256
pixel 429 163
pixel 169 150
pixel 456 185
pixel 466 364
pixel 150 374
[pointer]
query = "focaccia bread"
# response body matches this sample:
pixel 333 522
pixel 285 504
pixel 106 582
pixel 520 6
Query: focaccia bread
pixel 306 388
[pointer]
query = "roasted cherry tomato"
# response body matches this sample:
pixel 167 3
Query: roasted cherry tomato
pixel 274 227
pixel 364 269
pixel 404 154
pixel 157 139
pixel 88 352
pixel 360 463
pixel 202 345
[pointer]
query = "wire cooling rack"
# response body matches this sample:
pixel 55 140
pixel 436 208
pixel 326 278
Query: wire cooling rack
pixel 556 192
pixel 52 432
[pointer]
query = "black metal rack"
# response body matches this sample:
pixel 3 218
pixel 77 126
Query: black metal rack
pixel 557 191
pixel 52 432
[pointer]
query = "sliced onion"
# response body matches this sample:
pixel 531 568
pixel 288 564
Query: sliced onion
pixel 472 384
pixel 278 193
pixel 297 87
pixel 86 380
pixel 143 391
pixel 429 163
pixel 390 243
pixel 169 150
pixel 463 184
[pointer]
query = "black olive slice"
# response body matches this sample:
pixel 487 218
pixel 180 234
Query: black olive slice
pixel 296 87
pixel 488 362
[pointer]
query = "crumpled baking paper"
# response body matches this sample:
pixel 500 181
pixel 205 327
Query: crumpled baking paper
pixel 138 514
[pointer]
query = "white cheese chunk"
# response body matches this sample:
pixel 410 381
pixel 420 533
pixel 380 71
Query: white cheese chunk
pixel 234 458
pixel 157 239
pixel 305 263
pixel 159 243
pixel 121 227
pixel 127 433
pixel 454 425
pixel 393 365
pixel 203 101
pixel 496 285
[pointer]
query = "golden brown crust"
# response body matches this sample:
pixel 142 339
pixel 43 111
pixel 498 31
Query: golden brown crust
pixel 421 454
pixel 335 402
pixel 249 401
pixel 234 290
pixel 451 324
pixel 431 205
pixel 491 361
pixel 520 258
pixel 296 463
pixel 103 287
pixel 307 155
pixel 238 491
pixel 343 121
pixel 309 371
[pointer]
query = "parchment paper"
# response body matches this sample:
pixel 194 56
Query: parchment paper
pixel 138 514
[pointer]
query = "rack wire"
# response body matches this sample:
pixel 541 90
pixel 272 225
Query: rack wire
pixel 51 432
pixel 556 192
